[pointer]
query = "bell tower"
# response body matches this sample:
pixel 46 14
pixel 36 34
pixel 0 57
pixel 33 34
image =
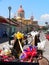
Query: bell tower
pixel 20 12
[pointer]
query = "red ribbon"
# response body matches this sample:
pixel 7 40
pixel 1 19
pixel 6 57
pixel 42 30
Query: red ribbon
pixel 30 52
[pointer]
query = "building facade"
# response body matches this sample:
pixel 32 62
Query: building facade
pixel 7 26
pixel 17 23
pixel 26 22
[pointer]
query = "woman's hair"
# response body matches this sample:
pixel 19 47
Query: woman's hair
pixel 15 43
pixel 16 48
pixel 39 52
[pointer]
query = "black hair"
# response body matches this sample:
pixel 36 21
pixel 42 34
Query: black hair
pixel 16 48
pixel 39 52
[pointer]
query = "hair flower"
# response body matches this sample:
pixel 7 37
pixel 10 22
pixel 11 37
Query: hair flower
pixel 19 35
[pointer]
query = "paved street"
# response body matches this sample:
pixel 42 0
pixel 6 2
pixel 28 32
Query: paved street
pixel 5 43
pixel 46 52
pixel 3 40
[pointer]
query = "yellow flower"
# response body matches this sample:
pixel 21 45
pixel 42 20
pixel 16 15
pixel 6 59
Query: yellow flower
pixel 18 35
pixel 15 35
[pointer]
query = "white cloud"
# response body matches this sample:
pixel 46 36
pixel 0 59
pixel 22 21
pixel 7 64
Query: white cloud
pixel 35 19
pixel 43 18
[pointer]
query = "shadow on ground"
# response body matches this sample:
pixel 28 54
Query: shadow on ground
pixel 2 40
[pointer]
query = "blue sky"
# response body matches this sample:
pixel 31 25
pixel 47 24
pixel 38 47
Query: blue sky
pixel 38 8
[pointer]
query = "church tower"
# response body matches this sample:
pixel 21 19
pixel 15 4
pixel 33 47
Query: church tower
pixel 20 12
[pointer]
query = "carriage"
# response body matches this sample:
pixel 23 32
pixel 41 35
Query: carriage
pixel 30 54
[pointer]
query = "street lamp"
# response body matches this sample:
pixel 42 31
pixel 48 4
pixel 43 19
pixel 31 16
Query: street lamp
pixel 27 26
pixel 9 8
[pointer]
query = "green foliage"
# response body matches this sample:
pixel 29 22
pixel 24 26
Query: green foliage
pixel 14 19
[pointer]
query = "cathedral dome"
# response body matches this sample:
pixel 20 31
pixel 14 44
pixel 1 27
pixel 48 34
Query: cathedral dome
pixel 20 9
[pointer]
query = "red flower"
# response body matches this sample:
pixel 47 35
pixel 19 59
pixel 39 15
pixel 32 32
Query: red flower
pixel 4 56
pixel 30 52
pixel 6 60
pixel 0 51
